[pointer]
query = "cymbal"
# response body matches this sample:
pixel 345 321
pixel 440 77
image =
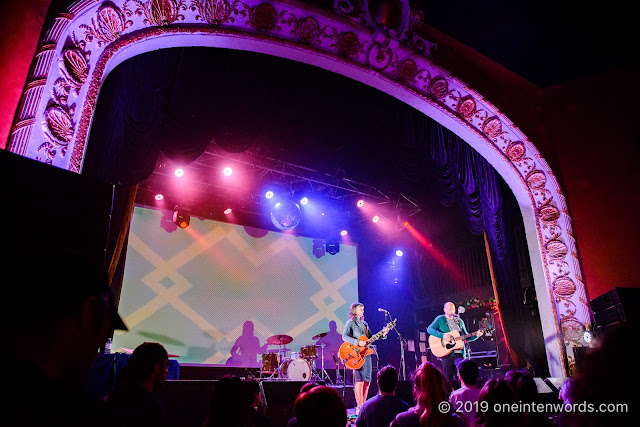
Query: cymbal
pixel 320 335
pixel 279 339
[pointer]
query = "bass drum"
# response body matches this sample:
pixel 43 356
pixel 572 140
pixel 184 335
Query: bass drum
pixel 295 370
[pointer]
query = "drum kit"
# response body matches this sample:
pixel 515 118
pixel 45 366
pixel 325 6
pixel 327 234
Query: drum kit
pixel 298 366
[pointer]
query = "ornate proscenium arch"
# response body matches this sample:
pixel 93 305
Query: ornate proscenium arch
pixel 81 47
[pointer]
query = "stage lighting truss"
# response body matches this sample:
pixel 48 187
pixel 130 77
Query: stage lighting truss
pixel 263 171
pixel 334 186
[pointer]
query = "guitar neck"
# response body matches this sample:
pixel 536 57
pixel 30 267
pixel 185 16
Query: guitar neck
pixel 464 337
pixel 374 338
pixel 379 334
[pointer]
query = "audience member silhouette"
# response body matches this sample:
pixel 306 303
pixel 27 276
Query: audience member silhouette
pixel 493 396
pixel 293 422
pixel 228 404
pixel 526 391
pixel 58 312
pixel 564 394
pixel 605 388
pixel 254 402
pixel 132 402
pixel 465 398
pixel 381 409
pixel 321 406
pixel 245 349
pixel 430 390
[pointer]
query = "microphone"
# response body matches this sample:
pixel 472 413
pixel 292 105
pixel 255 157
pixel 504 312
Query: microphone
pixel 383 310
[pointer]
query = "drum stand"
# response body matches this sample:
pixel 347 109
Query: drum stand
pixel 324 376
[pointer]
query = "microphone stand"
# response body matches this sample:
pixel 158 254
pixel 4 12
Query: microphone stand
pixel 344 382
pixel 402 343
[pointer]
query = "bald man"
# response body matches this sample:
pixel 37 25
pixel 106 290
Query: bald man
pixel 441 327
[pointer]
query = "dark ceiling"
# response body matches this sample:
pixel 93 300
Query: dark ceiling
pixel 547 42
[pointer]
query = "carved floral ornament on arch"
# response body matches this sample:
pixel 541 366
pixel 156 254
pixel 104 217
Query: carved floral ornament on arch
pixel 58 102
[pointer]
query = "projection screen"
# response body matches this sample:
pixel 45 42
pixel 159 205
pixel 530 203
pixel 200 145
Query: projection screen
pixel 202 289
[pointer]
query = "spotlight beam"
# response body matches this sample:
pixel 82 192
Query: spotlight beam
pixel 434 252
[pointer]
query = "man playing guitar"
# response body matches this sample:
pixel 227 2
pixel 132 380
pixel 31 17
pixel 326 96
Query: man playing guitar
pixel 441 327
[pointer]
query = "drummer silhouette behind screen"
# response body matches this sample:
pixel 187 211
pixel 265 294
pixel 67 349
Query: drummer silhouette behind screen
pixel 332 341
pixel 246 348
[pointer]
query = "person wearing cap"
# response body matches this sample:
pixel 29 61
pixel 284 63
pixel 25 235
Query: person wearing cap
pixel 58 312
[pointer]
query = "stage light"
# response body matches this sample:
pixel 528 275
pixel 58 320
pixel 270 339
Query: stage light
pixel 227 171
pixel 318 248
pixel 375 218
pixel 159 197
pixel 405 224
pixel 181 218
pixel 179 172
pixel 304 201
pixel 227 211
pixel 333 246
pixel 269 194
pixel 343 233
pixel 360 203
pixel 399 252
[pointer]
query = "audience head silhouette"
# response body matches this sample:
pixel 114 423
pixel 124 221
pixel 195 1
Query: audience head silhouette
pixel 387 379
pixel 496 392
pixel 468 372
pixel 321 406
pixel 228 404
pixel 59 313
pixel 62 311
pixel 148 365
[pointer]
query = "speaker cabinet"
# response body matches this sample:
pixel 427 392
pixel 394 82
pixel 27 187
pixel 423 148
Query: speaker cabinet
pixel 615 307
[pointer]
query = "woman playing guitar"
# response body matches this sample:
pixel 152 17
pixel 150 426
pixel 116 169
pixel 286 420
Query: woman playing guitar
pixel 354 330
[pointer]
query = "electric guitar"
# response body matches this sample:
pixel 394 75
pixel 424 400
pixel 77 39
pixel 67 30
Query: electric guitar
pixel 353 355
pixel 440 348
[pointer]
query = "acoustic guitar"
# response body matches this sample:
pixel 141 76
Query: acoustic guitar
pixel 353 355
pixel 440 348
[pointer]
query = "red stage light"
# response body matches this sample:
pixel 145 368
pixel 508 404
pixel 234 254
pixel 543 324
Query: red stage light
pixel 159 196
pixel 227 211
pixel 179 172
pixel 343 233
pixel 360 203
pixel 375 218
pixel 227 171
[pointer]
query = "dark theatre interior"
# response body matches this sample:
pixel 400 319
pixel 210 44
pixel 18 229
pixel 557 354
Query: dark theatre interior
pixel 188 195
